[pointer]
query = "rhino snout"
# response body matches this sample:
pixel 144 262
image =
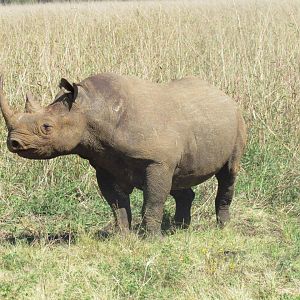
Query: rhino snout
pixel 15 145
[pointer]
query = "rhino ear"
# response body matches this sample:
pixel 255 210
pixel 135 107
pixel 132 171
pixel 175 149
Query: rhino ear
pixel 31 105
pixel 64 83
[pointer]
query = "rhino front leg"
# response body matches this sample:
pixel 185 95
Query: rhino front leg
pixel 118 199
pixel 183 199
pixel 157 186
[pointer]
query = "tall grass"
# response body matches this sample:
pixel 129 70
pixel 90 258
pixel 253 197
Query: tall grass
pixel 251 50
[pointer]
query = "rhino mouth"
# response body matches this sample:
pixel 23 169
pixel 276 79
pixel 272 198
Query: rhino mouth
pixel 25 152
pixel 35 154
pixel 28 153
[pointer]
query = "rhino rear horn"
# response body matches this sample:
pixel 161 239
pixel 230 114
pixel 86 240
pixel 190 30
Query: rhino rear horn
pixel 73 88
pixel 31 105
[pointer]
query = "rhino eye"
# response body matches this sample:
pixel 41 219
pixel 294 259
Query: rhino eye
pixel 46 127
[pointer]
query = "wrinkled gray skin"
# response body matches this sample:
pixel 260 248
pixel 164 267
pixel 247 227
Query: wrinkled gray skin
pixel 160 138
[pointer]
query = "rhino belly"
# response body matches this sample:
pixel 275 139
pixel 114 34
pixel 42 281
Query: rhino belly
pixel 187 181
pixel 203 157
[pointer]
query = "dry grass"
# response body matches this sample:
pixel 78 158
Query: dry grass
pixel 251 50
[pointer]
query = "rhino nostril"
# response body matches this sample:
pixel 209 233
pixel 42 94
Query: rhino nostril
pixel 15 144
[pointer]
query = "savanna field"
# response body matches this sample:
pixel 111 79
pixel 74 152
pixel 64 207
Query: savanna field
pixel 51 211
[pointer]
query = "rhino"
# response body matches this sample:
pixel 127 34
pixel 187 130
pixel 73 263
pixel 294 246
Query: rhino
pixel 162 138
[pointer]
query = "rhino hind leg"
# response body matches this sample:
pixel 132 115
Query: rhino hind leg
pixel 118 198
pixel 183 199
pixel 226 178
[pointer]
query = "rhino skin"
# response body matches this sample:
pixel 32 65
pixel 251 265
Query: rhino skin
pixel 160 138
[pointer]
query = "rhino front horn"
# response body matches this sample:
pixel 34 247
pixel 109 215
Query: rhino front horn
pixel 31 105
pixel 7 112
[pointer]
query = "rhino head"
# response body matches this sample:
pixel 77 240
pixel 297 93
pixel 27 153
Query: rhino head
pixel 44 133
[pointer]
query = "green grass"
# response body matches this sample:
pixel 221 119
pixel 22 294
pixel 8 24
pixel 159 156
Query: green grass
pixel 51 212
pixel 258 261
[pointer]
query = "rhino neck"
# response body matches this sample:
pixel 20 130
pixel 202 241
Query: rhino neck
pixel 91 146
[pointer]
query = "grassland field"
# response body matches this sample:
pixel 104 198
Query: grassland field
pixel 51 211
